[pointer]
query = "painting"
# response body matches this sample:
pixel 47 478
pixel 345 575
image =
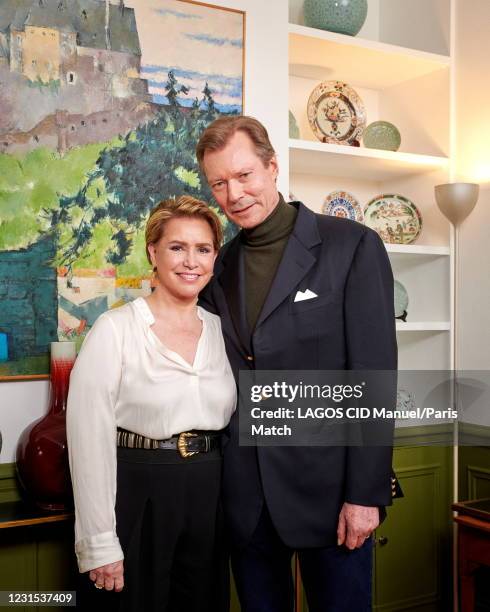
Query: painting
pixel 101 106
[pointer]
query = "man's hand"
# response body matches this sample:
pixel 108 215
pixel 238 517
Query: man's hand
pixel 356 523
pixel 109 577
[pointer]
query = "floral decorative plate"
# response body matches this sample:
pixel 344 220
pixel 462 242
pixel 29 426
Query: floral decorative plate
pixel 395 218
pixel 336 113
pixel 342 204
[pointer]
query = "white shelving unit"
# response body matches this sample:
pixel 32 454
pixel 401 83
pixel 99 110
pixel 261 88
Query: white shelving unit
pixel 430 326
pixel 416 249
pixel 401 64
pixel 371 64
pixel 403 72
pixel 369 164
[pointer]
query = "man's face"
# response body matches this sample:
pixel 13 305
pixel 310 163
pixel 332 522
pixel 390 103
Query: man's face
pixel 243 187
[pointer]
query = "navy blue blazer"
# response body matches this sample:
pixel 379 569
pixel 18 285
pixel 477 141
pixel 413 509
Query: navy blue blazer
pixel 350 325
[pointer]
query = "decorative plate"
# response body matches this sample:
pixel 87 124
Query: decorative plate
pixel 336 113
pixel 401 301
pixel 342 204
pixel 396 218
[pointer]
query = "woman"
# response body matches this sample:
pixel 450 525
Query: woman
pixel 150 391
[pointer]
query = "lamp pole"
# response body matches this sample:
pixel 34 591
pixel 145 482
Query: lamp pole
pixel 456 201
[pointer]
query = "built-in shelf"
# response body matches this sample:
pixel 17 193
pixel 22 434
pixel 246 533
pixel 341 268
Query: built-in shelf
pixel 21 514
pixel 309 157
pixel 395 82
pixel 366 63
pixel 423 326
pixel 418 249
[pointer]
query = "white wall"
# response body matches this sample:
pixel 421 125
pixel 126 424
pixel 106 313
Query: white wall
pixel 266 90
pixel 421 24
pixel 20 404
pixel 474 286
pixel 473 164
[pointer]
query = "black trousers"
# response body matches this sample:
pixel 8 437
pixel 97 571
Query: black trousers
pixel 169 523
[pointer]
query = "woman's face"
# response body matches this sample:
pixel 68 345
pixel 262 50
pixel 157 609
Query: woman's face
pixel 184 257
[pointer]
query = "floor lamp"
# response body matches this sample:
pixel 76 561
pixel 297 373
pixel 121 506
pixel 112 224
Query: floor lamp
pixel 456 201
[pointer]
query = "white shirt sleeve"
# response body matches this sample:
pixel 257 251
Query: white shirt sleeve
pixel 91 434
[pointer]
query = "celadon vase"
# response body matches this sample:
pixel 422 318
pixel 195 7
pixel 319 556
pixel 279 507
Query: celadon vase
pixel 293 126
pixel 341 16
pixel 42 454
pixel 382 135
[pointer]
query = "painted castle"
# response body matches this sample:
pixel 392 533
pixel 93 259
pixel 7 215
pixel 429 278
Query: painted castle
pixel 77 63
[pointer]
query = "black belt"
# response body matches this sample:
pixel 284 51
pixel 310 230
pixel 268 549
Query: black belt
pixel 187 443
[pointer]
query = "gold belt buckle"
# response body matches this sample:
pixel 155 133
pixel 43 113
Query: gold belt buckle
pixel 182 444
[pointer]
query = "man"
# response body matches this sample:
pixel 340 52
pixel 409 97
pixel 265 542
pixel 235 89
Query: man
pixel 323 502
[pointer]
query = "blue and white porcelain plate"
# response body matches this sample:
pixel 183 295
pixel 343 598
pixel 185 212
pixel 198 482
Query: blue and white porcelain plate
pixel 343 204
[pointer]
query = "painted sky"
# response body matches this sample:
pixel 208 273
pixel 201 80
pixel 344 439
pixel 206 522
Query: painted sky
pixel 197 42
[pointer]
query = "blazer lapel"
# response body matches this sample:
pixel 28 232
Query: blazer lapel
pixel 295 263
pixel 232 281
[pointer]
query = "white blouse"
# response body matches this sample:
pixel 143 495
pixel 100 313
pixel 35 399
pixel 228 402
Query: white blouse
pixel 125 377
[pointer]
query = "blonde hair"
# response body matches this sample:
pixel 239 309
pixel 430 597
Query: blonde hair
pixel 181 207
pixel 218 134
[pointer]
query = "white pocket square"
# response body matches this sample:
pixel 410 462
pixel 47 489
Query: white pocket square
pixel 301 296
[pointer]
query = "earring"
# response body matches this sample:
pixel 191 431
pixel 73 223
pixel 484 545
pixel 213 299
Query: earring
pixel 153 280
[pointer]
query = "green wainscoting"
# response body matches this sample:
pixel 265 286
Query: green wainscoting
pixel 9 489
pixel 474 472
pixel 413 545
pixel 235 605
pixel 474 483
pixel 35 557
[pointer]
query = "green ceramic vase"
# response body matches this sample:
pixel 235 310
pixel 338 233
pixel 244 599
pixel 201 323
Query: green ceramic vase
pixel 293 126
pixel 342 16
pixel 382 135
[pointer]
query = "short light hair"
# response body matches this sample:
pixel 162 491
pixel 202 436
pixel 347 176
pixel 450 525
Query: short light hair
pixel 219 133
pixel 185 207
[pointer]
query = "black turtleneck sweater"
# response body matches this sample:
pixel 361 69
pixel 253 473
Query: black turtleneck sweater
pixel 263 247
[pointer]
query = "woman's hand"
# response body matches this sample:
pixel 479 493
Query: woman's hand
pixel 109 577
